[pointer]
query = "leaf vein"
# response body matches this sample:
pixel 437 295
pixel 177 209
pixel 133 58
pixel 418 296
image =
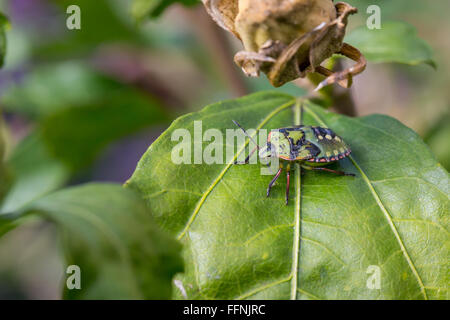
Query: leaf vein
pixel 261 288
pixel 297 236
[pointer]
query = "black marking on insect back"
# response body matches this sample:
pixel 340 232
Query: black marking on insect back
pixel 329 132
pixel 302 140
pixel 291 144
pixel 316 131
pixel 323 132
pixel 313 149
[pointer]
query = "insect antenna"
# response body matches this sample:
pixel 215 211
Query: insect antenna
pixel 251 139
pixel 246 133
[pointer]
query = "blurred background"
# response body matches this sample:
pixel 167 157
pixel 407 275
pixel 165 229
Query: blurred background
pixel 84 105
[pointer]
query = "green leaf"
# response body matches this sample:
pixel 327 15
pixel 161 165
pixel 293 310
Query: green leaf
pixel 394 42
pixel 34 173
pixel 142 9
pixel 239 244
pixel 110 234
pixel 71 43
pixel 389 9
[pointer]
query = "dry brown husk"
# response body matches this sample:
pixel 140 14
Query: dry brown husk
pixel 287 39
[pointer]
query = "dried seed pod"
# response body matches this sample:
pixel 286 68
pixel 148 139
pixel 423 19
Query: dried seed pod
pixel 287 39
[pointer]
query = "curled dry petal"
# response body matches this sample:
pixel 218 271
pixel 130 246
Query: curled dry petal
pixel 224 13
pixel 287 39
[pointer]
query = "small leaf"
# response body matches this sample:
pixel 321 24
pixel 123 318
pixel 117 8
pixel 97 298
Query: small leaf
pixel 394 42
pixel 437 138
pixel 142 9
pixel 110 234
pixel 238 244
pixel 81 108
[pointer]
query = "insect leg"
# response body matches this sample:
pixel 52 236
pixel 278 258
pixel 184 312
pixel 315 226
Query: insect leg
pixel 274 179
pixel 246 161
pixel 345 77
pixel 288 169
pixel 342 173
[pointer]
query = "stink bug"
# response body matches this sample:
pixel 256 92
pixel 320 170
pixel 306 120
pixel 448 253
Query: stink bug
pixel 314 147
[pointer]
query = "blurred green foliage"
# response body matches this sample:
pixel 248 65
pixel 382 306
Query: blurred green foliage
pixel 110 235
pixel 3 24
pixel 34 173
pixel 395 42
pixel 4 176
pixel 100 25
pixel 80 111
pixel 70 109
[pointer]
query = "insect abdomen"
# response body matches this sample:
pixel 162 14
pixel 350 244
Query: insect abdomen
pixel 332 147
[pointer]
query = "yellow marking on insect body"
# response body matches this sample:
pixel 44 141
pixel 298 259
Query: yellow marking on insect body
pixel 337 139
pixel 342 150
pixel 328 154
pixel 336 152
pixel 320 137
pixel 328 137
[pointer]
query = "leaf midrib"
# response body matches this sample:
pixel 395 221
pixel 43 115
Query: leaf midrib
pixel 297 216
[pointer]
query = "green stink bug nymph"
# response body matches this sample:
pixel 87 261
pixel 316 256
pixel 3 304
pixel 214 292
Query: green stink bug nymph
pixel 314 147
